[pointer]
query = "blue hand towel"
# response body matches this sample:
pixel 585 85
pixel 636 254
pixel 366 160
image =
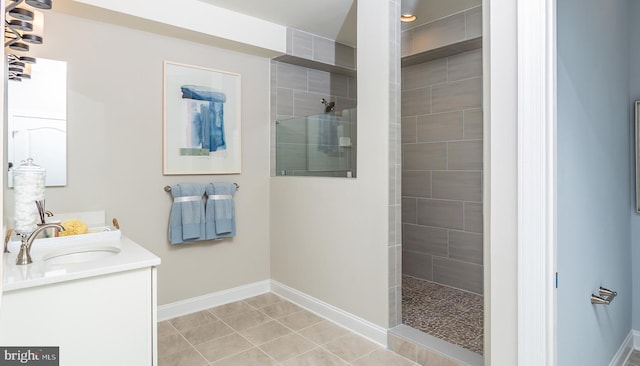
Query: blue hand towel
pixel 221 222
pixel 187 220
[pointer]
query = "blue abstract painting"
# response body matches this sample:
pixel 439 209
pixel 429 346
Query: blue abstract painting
pixel 206 117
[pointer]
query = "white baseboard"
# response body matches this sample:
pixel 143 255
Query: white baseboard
pixel 620 358
pixel 360 326
pixel 636 339
pixel 195 304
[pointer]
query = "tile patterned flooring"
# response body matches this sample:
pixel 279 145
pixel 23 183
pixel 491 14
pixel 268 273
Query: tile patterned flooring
pixel 452 315
pixel 265 330
pixel 634 359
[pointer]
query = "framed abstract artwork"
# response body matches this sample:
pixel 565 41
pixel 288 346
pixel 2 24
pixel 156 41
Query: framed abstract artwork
pixel 201 122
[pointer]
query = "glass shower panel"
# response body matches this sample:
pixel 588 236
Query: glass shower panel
pixel 321 145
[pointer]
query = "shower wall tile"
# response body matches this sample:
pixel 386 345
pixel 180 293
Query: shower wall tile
pixel 425 156
pixel 302 44
pixel 409 129
pixel 345 55
pixel 320 82
pixel 416 102
pixel 407 43
pixel 426 240
pixel 417 265
pixel 473 217
pixel 284 101
pixel 439 33
pixel 292 156
pixel 462 186
pixel 324 50
pixel 440 127
pixel 416 183
pixel 292 76
pixel 409 210
pixel 292 134
pixel 473 124
pixel 428 73
pixel 458 274
pixel 353 88
pixel 438 213
pixel 465 155
pixel 465 246
pixel 473 18
pixel 306 104
pixel 339 85
pixel 458 95
pixel 465 65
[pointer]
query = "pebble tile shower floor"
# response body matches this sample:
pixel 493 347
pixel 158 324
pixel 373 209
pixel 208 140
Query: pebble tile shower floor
pixel 265 330
pixel 452 315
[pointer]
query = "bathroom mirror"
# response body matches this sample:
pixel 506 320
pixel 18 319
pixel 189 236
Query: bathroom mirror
pixel 37 120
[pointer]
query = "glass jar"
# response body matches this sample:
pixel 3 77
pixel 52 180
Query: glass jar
pixel 28 188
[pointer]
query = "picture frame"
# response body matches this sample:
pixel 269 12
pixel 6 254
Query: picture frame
pixel 201 120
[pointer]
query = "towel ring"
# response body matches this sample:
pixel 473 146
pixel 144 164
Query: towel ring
pixel 168 188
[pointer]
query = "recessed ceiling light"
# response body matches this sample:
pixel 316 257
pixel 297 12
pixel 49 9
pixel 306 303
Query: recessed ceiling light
pixel 407 18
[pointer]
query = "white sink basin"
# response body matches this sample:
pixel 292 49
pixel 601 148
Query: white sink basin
pixel 80 255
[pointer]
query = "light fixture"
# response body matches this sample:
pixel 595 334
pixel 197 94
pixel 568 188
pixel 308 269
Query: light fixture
pixel 23 26
pixel 408 11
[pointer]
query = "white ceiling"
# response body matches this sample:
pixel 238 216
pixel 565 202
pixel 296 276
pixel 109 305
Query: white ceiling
pixel 333 19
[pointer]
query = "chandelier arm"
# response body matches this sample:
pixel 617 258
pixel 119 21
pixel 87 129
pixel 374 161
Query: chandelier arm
pixel 13 5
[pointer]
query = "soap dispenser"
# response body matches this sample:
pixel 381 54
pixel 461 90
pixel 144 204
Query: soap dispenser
pixel 28 187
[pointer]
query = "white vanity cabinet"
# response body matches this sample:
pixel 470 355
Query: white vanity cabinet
pixel 103 315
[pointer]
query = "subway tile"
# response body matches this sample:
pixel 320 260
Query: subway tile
pixel 424 74
pixel 473 124
pixel 409 129
pixel 415 102
pixel 439 127
pixel 452 185
pixel 425 156
pixel 417 265
pixel 291 76
pixel 473 19
pixel 443 214
pixel 457 95
pixel 439 33
pixel 473 217
pixel 324 50
pixel 416 183
pixel 465 65
pixel 284 101
pixel 409 213
pixel 462 275
pixel 424 239
pixel 465 246
pixel 302 44
pixel 465 155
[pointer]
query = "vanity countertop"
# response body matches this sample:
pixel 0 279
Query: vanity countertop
pixel 131 256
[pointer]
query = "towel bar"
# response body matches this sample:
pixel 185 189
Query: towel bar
pixel 168 188
pixel 604 297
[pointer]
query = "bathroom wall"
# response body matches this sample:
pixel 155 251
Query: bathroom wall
pixel 442 171
pixel 115 108
pixel 634 91
pixel 330 237
pixel 594 191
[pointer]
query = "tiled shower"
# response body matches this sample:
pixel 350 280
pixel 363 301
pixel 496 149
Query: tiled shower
pixel 442 170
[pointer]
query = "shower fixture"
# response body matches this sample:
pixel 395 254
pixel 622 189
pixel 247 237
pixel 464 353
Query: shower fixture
pixel 23 25
pixel 328 106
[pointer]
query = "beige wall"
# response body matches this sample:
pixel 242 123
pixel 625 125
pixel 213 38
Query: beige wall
pixel 115 149
pixel 329 237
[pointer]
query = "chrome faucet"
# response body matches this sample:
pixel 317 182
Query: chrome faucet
pixel 24 257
